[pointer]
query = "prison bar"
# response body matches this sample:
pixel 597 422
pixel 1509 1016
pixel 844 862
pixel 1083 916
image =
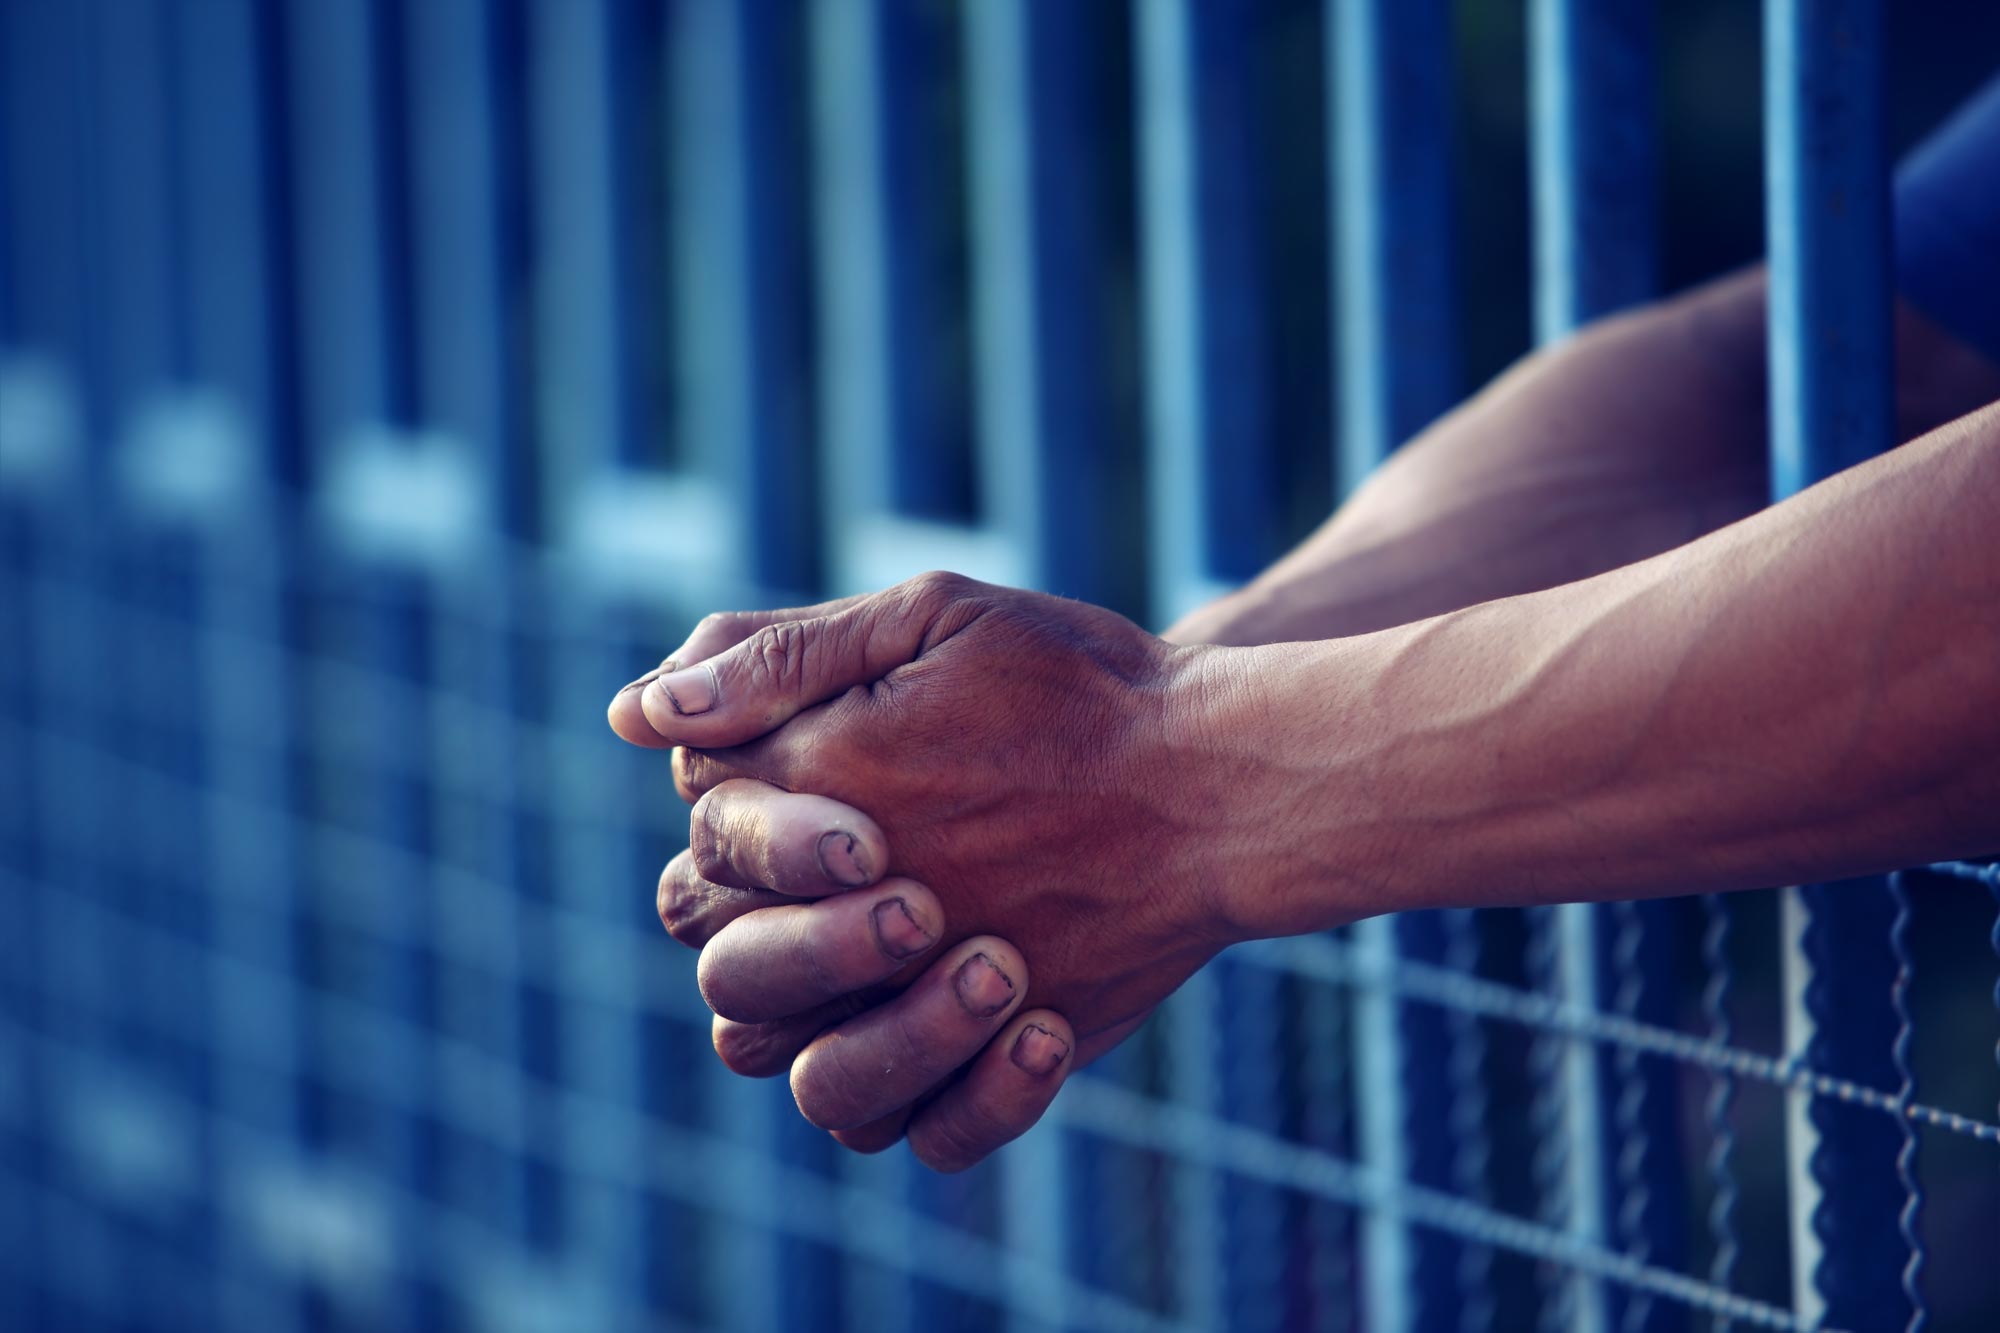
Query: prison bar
pixel 1832 405
pixel 1593 171
pixel 1396 350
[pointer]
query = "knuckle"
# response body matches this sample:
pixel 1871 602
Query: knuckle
pixel 668 901
pixel 709 843
pixel 929 593
pixel 776 656
pixel 676 905
pixel 695 774
pixel 684 912
pixel 940 584
pixel 719 623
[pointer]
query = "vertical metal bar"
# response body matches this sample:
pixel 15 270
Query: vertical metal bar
pixel 153 568
pixel 44 127
pixel 1827 204
pixel 1042 416
pixel 367 672
pixel 1993 938
pixel 1394 270
pixel 1594 159
pixel 1212 512
pixel 584 422
pixel 32 203
pixel 1027 452
pixel 1393 273
pixel 132 188
pixel 1715 1003
pixel 855 95
pixel 1594 162
pixel 1210 497
pixel 1470 1109
pixel 340 219
pixel 458 234
pixel 879 72
pixel 230 238
pixel 66 316
pixel 740 244
pixel 1906 1092
pixel 1042 412
pixel 739 283
pixel 587 430
pixel 465 367
pixel 1827 211
pixel 776 467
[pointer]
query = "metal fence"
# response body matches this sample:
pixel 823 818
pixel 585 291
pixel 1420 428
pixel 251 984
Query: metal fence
pixel 380 382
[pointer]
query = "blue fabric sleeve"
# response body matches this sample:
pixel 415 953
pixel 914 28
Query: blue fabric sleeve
pixel 1948 222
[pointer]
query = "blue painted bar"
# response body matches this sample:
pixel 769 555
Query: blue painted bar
pixel 736 75
pixel 858 93
pixel 584 420
pixel 1039 313
pixel 1394 271
pixel 1397 357
pixel 132 180
pixel 1828 218
pixel 1827 206
pixel 774 470
pixel 589 429
pixel 1212 520
pixel 56 375
pixel 886 412
pixel 459 243
pixel 49 310
pixel 458 74
pixel 152 875
pixel 1210 493
pixel 1595 162
pixel 740 286
pixel 1718 1108
pixel 229 222
pixel 369 659
pixel 339 215
pixel 1594 159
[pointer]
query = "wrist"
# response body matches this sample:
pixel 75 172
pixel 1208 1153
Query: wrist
pixel 1255 764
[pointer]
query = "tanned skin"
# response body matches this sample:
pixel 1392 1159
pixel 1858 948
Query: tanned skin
pixel 1554 651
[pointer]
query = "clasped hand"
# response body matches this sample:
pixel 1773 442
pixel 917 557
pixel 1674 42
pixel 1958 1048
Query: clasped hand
pixel 1022 761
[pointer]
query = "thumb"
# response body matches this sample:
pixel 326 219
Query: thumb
pixel 784 668
pixel 725 629
pixel 713 634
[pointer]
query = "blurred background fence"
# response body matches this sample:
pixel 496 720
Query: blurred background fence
pixel 383 384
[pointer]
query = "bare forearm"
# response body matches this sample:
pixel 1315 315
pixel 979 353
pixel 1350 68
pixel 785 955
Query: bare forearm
pixel 1640 434
pixel 1813 692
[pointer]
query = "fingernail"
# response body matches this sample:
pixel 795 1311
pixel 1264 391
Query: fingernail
pixel 840 859
pixel 897 931
pixel 1039 1050
pixel 691 691
pixel 647 679
pixel 982 987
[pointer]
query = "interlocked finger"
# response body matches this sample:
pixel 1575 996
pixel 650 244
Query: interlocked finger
pixel 788 959
pixel 694 908
pixel 891 1055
